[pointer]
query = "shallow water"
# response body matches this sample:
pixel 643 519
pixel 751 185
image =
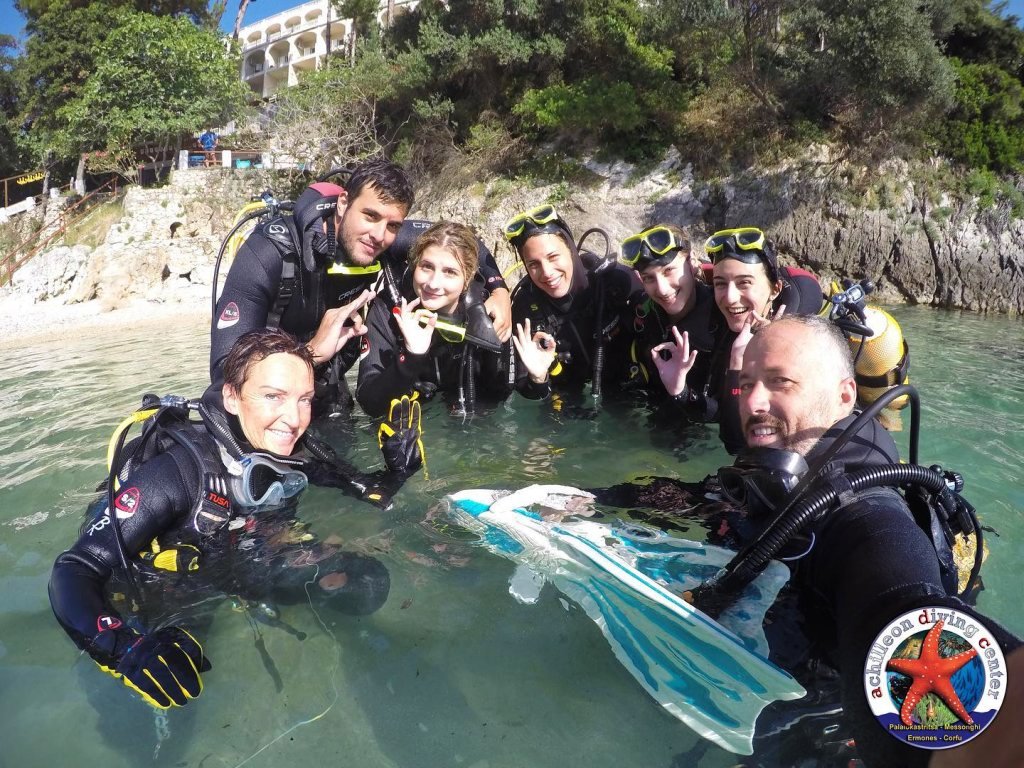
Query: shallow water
pixel 451 671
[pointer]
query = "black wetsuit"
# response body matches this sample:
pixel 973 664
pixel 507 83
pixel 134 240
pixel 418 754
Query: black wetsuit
pixel 572 320
pixel 651 327
pixel 255 279
pixel 801 294
pixel 868 562
pixel 255 555
pixel 387 370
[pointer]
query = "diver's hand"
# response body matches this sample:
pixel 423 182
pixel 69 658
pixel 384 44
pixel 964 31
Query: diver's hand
pixel 537 351
pixel 499 309
pixel 163 666
pixel 752 325
pixel 400 436
pixel 338 326
pixel 417 326
pixel 674 359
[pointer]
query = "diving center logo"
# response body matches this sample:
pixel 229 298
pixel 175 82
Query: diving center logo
pixel 935 678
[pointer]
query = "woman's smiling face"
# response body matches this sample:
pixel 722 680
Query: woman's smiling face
pixel 742 288
pixel 548 262
pixel 438 280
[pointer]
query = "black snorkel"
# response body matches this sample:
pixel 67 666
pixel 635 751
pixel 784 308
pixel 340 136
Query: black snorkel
pixel 802 508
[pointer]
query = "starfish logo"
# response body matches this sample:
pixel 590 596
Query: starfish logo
pixel 934 678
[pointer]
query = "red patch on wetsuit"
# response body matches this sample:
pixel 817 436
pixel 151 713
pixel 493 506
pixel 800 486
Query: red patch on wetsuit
pixel 107 622
pixel 128 501
pixel 229 316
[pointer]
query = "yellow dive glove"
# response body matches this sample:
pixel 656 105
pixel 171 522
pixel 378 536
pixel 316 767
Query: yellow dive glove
pixel 400 436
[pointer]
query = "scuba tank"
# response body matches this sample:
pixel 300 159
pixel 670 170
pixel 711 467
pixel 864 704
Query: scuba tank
pixel 881 356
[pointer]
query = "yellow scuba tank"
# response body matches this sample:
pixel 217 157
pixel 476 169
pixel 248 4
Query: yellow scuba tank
pixel 882 362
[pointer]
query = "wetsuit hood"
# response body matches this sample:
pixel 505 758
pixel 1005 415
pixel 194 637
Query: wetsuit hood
pixel 872 445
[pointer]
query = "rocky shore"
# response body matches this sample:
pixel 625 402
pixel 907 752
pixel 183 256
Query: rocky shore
pixel 157 262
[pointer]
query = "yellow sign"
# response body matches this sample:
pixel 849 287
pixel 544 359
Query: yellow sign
pixel 28 178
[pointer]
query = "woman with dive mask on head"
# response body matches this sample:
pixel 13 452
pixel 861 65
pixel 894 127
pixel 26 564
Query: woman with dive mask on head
pixel 440 337
pixel 569 312
pixel 750 290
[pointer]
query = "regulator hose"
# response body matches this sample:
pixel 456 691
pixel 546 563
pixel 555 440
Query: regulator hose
pixel 223 247
pixel 717 592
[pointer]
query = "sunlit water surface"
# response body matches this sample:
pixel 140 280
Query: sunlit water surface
pixel 451 671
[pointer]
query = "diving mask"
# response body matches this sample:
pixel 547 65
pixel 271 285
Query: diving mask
pixel 258 480
pixel 762 478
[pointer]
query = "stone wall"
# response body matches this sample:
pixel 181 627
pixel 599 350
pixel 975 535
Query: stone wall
pixel 952 256
pixel 163 249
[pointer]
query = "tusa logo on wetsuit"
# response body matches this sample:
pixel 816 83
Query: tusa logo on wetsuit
pixel 935 678
pixel 127 502
pixel 229 316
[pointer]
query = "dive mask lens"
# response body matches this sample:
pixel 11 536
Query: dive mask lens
pixel 657 240
pixel 744 244
pixel 265 484
pixel 539 216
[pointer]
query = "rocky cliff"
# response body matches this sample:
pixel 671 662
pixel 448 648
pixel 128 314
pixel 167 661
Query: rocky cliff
pixel 950 254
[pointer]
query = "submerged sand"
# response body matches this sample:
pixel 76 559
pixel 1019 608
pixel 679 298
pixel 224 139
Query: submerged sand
pixel 23 321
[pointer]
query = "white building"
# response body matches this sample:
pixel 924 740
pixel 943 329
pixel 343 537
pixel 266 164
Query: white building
pixel 277 49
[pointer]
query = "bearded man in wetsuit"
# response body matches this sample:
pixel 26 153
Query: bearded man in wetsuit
pixel 312 273
pixel 205 510
pixel 866 561
pixel 855 567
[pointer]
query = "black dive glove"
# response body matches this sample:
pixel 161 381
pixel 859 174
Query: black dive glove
pixel 400 436
pixel 163 666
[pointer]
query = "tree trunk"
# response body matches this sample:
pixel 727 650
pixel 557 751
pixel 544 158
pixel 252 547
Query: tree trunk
pixel 239 17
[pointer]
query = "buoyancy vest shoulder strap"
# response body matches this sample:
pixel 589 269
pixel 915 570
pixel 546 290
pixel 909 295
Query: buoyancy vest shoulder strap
pixel 283 233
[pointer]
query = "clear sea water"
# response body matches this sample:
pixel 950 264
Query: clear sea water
pixel 451 671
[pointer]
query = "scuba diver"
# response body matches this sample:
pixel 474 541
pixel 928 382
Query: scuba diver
pixel 313 272
pixel 570 310
pixel 439 338
pixel 198 510
pixel 818 487
pixel 673 312
pixel 750 289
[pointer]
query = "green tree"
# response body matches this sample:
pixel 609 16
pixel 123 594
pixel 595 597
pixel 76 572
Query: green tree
pixel 869 67
pixel 986 127
pixel 10 156
pixel 157 80
pixel 64 39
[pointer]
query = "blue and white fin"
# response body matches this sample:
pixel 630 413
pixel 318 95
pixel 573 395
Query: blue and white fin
pixel 626 579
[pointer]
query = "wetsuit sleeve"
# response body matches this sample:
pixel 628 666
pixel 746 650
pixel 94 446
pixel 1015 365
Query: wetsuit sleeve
pixel 159 497
pixel 871 563
pixel 248 297
pixel 386 370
